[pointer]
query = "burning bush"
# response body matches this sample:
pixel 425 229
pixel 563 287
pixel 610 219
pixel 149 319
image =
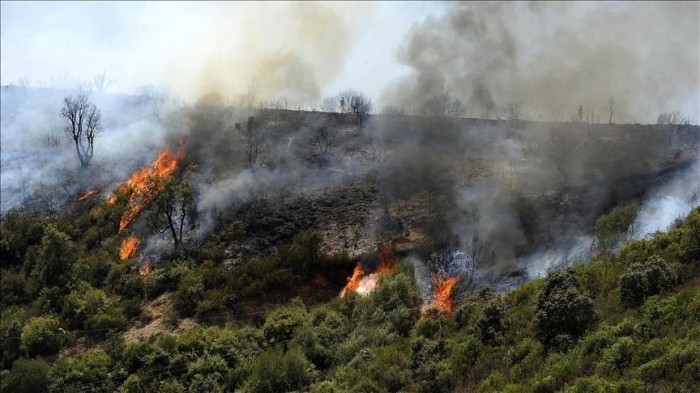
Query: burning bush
pixel 140 187
pixel 128 247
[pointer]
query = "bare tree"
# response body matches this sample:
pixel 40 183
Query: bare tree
pixel 254 142
pixel 580 114
pixel 344 99
pixel 159 97
pixel 361 107
pixel 557 115
pixel 326 137
pixel 513 116
pixel 252 92
pixel 392 110
pixel 485 114
pixel 611 108
pixel 329 104
pixel 102 83
pixel 84 123
pixel 443 105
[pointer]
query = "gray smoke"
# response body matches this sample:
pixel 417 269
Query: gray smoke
pixel 550 56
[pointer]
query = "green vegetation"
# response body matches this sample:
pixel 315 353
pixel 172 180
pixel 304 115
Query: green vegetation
pixel 628 321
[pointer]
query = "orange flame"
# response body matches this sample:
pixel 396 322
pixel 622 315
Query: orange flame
pixel 354 281
pixel 142 191
pixel 363 283
pixel 145 268
pixel 87 195
pixel 128 247
pixel 442 295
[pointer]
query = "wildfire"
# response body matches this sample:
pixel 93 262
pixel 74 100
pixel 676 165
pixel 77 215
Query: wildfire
pixel 145 268
pixel 354 281
pixel 128 247
pixel 363 283
pixel 87 195
pixel 442 294
pixel 141 191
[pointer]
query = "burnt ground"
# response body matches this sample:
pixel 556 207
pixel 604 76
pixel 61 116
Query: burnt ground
pixel 435 180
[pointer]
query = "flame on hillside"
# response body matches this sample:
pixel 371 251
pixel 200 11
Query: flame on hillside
pixel 128 247
pixel 89 194
pixel 145 268
pixel 363 283
pixel 141 191
pixel 443 295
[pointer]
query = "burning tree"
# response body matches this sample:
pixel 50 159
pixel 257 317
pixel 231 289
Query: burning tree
pixel 171 208
pixel 84 123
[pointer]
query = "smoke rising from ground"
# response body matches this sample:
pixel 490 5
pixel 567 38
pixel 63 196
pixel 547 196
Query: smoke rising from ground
pixel 556 56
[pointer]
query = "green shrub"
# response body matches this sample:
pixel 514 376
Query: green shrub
pixel 26 376
pixel 83 304
pixel 56 255
pixel 642 280
pixel 41 336
pixel 491 323
pixel 281 324
pixel 277 371
pixel 18 232
pixel 563 313
pixel 189 293
pixel 12 287
pixel 612 228
pixel 207 374
pixel 91 367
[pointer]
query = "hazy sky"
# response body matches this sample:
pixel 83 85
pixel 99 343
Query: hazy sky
pixel 175 43
pixel 489 54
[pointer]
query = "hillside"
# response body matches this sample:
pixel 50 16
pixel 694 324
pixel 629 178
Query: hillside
pixel 626 321
pixel 405 255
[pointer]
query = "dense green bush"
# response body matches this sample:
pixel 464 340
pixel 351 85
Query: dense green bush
pixel 18 232
pixel 491 323
pixel 55 258
pixel 189 293
pixel 281 324
pixel 563 312
pixel 611 229
pixel 91 367
pixel 642 280
pixel 279 371
pixel 41 336
pixel 26 376
pixel 92 309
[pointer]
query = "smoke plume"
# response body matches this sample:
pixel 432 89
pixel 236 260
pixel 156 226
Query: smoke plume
pixel 550 56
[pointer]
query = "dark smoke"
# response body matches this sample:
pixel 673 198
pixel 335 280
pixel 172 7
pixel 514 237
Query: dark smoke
pixel 556 56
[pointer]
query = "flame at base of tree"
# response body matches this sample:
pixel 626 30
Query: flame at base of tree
pixel 145 268
pixel 443 295
pixel 128 247
pixel 363 283
pixel 140 190
pixel 89 194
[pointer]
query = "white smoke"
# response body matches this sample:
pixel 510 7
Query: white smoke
pixel 672 200
pixel 665 204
